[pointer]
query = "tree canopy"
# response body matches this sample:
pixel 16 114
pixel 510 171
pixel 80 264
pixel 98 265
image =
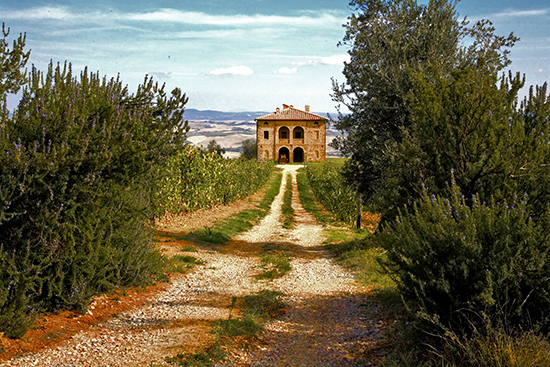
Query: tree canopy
pixel 250 149
pixel 390 41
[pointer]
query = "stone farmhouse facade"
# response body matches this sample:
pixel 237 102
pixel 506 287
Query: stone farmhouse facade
pixel 290 135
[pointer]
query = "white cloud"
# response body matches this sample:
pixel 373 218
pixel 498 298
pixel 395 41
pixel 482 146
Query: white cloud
pixel 521 13
pixel 309 19
pixel 331 60
pixel 540 71
pixel 286 70
pixel 176 16
pixel 306 63
pixel 240 70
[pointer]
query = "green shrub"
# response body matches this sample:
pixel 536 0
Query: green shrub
pixel 78 160
pixel 465 266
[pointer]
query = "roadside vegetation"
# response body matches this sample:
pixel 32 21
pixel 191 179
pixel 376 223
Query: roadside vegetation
pixel 194 179
pixel 441 144
pixel 331 191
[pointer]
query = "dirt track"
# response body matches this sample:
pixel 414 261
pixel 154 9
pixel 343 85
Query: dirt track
pixel 330 321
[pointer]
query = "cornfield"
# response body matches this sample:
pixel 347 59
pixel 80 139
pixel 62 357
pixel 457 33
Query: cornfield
pixel 195 180
pixel 331 191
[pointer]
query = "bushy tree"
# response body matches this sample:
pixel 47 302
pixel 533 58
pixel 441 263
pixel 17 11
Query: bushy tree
pixel 469 266
pixel 78 171
pixel 461 124
pixel 214 147
pixel 12 63
pixel 456 163
pixel 469 180
pixel 250 149
pixel 389 39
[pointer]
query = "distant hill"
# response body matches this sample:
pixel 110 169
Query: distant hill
pixel 192 114
pixel 210 115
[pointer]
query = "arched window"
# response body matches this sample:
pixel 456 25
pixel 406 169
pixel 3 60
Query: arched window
pixel 298 132
pixel 284 133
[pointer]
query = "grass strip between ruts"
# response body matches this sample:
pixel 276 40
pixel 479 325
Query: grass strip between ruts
pixel 287 211
pixel 256 310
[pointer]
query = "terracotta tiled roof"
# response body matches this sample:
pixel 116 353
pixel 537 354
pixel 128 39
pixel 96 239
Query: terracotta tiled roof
pixel 290 113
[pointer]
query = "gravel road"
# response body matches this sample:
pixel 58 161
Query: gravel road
pixel 330 320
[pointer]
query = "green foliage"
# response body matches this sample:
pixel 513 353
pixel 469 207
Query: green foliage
pixel 287 214
pixel 462 265
pixel 78 162
pixel 332 191
pixel 307 200
pixel 378 77
pixel 274 266
pixel 249 149
pixel 462 126
pixel 214 147
pixel 195 180
pixel 12 63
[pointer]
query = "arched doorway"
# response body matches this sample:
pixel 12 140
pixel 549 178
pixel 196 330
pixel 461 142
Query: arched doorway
pixel 284 155
pixel 298 154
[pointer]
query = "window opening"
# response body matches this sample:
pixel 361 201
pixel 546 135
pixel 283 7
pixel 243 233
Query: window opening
pixel 298 133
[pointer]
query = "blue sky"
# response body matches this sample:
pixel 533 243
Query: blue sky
pixel 235 55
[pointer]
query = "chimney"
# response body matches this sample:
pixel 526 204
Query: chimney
pixel 277 110
pixel 307 108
